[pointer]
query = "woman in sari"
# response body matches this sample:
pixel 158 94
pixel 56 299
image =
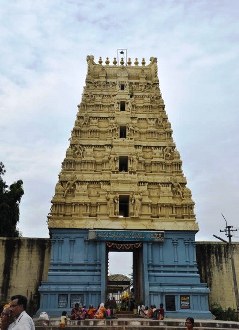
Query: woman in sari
pixel 101 312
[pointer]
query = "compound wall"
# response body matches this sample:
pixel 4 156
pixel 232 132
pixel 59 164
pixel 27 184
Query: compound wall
pixel 24 263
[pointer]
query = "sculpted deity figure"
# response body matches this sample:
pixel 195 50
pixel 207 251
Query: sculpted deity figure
pixel 116 204
pixel 116 106
pixel 86 120
pixel 159 122
pixel 90 62
pixel 110 204
pixel 133 163
pixel 112 162
pixel 113 129
pixel 104 159
pixel 168 153
pixel 91 97
pixel 90 59
pixel 187 193
pixel 129 106
pixel 94 122
pixel 153 61
pixel 132 201
pixel 138 204
pixel 176 188
pixel 81 121
pixel 131 130
pixel 70 185
pixel 78 150
pixel 136 200
pixel 151 121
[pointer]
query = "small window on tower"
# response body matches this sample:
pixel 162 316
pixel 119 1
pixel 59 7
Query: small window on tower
pixel 122 87
pixel 123 163
pixel 123 206
pixel 122 132
pixel 122 105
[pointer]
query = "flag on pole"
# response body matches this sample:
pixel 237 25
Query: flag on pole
pixel 122 53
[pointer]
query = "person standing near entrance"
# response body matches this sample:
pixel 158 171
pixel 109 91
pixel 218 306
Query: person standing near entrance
pixel 161 312
pixel 113 305
pixel 22 320
pixel 189 323
pixel 132 300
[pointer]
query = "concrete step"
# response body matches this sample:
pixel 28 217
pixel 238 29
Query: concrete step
pixel 115 328
pixel 139 324
pixel 125 314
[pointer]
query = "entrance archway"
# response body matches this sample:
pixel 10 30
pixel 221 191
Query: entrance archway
pixel 135 285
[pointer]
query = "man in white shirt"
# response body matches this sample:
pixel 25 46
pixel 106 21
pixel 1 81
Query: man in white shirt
pixel 22 321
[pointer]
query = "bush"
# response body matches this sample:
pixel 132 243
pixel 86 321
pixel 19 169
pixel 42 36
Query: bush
pixel 225 315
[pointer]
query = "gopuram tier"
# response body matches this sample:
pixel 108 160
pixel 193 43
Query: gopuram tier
pixel 122 169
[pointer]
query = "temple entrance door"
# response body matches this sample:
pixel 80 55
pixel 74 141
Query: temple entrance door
pixel 134 284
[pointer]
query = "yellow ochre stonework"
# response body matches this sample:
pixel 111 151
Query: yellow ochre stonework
pixel 122 169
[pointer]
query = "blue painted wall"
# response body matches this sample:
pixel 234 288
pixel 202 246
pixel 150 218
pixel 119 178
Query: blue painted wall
pixel 77 272
pixel 172 270
pixel 77 268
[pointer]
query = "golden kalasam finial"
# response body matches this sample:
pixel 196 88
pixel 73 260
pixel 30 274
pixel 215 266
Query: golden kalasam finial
pixel 129 61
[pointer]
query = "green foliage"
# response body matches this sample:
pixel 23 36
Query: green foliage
pixel 225 315
pixel 10 198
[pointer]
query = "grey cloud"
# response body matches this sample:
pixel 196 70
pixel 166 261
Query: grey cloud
pixel 42 75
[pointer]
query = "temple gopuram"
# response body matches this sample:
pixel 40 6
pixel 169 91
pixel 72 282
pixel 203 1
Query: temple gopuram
pixel 122 188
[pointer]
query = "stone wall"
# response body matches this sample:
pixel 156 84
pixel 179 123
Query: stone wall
pixel 215 266
pixel 24 264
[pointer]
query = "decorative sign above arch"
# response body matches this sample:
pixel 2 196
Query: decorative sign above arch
pixel 126 235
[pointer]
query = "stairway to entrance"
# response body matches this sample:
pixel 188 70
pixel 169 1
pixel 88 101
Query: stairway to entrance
pixel 125 314
pixel 136 323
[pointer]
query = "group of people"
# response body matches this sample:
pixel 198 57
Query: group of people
pixel 158 314
pixel 82 313
pixel 151 312
pixel 78 312
pixel 104 310
pixel 14 315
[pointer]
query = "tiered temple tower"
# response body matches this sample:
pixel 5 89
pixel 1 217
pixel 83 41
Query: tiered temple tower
pixel 122 188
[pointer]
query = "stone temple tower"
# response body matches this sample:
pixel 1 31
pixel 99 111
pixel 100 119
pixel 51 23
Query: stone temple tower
pixel 122 188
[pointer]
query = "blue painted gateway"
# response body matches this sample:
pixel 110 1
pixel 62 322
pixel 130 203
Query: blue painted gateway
pixel 164 270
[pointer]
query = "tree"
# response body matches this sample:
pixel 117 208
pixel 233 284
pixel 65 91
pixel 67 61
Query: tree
pixel 10 198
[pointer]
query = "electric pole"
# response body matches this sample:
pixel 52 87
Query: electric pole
pixel 228 232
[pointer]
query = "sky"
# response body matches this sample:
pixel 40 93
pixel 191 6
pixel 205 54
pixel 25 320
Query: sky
pixel 44 45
